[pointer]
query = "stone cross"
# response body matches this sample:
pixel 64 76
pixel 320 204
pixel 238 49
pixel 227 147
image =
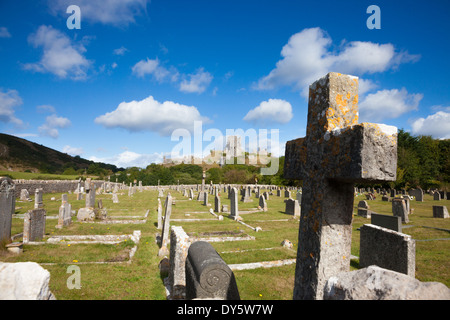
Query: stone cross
pixel 336 153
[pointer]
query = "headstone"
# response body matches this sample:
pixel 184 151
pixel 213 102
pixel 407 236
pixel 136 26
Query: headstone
pixel 263 203
pixel 34 225
pixel 115 198
pixel 205 198
pixel 38 202
pixel 386 221
pixel 217 207
pixel 387 249
pixel 159 226
pixel 24 195
pixel 292 207
pixel 440 212
pixel 207 275
pixel 246 195
pixel 437 196
pixel 166 225
pixel 234 210
pixel 336 153
pixel 7 208
pixel 417 193
pixel 65 213
pixel 400 209
pixel 287 194
pixel 90 193
pixel 179 245
pixel 299 197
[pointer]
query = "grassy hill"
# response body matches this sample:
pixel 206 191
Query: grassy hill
pixel 17 154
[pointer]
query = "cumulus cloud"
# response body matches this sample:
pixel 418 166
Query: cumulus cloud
pixel 112 12
pixel 9 100
pixel 60 56
pixel 307 57
pixel 388 104
pixel 273 111
pixel 436 125
pixel 153 67
pixel 130 159
pixel 73 151
pixel 4 33
pixel 52 124
pixel 151 115
pixel 197 82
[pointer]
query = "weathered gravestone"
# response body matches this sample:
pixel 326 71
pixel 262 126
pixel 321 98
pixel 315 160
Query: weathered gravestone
pixel 65 213
pixel 436 196
pixel 217 207
pixel 166 225
pixel 400 209
pixel 385 221
pixel 38 202
pixel 387 249
pixel 207 275
pixel 24 195
pixel 7 208
pixel 292 207
pixel 179 245
pixel 336 153
pixel 262 203
pixel 159 225
pixel 34 225
pixel 234 210
pixel 440 212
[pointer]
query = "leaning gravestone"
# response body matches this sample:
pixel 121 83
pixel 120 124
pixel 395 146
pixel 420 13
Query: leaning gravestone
pixel 207 275
pixel 336 153
pixel 7 207
pixel 262 203
pixel 165 227
pixel 387 249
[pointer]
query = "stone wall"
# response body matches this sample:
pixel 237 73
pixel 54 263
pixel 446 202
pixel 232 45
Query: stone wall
pixel 52 186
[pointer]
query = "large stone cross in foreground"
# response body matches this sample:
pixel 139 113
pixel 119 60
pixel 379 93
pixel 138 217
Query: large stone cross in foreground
pixel 336 153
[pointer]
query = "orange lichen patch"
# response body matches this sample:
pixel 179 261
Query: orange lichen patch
pixel 355 99
pixel 340 101
pixel 330 112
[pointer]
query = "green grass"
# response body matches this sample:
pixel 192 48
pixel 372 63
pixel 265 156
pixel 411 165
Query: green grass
pixel 141 278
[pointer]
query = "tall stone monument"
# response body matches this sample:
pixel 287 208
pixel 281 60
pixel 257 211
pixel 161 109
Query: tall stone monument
pixel 336 153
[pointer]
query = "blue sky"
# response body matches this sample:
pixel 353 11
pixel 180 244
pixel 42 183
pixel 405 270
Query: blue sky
pixel 116 89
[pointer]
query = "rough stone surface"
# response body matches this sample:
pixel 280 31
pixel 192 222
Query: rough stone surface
pixel 86 214
pixel 7 207
pixel 387 249
pixel 207 275
pixel 375 283
pixel 336 153
pixel 24 281
pixel 179 245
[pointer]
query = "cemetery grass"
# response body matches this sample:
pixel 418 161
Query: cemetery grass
pixel 120 279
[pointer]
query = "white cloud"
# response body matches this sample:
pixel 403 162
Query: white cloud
pixel 436 125
pixel 113 12
pixel 52 124
pixel 73 151
pixel 45 108
pixel 60 56
pixel 4 33
pixel 307 57
pixel 151 115
pixel 273 110
pixel 153 67
pixel 130 159
pixel 120 51
pixel 8 101
pixel 197 81
pixel 388 104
